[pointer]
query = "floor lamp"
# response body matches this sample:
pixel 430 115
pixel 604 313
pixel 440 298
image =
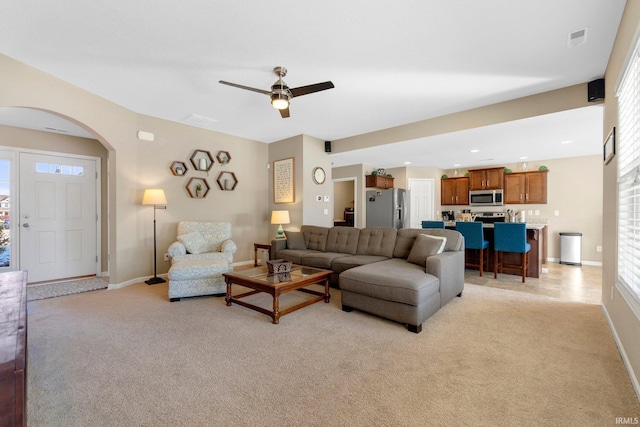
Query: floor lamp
pixel 155 197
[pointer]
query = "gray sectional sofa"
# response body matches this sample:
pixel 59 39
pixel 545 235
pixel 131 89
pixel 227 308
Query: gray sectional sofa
pixel 395 274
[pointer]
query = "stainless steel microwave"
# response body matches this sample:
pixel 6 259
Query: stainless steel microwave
pixel 486 198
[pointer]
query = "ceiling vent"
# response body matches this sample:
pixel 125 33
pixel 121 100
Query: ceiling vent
pixel 201 121
pixel 577 38
pixel 50 129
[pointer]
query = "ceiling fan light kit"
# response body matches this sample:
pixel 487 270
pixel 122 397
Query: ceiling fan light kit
pixel 280 93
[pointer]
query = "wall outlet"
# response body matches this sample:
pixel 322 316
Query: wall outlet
pixel 326 211
pixel 598 248
pixel 537 212
pixel 166 257
pixel 530 212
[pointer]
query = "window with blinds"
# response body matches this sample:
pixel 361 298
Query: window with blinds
pixel 628 150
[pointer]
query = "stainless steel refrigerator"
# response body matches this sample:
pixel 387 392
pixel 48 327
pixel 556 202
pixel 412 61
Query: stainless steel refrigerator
pixel 387 208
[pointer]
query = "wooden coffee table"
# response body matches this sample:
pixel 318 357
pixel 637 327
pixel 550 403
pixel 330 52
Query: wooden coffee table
pixel 259 280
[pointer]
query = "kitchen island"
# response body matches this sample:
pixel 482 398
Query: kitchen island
pixel 536 237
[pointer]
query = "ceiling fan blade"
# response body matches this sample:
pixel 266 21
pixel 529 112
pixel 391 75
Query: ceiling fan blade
pixel 305 90
pixel 266 92
pixel 284 113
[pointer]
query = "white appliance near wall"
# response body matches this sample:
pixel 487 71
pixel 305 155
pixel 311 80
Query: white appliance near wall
pixel 387 208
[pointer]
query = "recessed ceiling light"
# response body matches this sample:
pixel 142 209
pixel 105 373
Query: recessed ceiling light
pixel 456 165
pixel 407 163
pixel 524 158
pixel 475 150
pixel 566 142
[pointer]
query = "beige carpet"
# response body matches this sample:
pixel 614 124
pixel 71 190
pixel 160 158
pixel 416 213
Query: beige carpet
pixel 128 357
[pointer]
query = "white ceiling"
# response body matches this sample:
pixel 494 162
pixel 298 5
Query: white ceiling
pixel 392 63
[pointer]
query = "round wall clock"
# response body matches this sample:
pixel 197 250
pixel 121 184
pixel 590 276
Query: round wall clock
pixel 318 175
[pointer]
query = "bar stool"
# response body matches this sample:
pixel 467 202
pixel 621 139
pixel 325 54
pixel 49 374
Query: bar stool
pixel 474 239
pixel 510 237
pixel 432 224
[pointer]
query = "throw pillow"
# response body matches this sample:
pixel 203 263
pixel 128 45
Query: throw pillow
pixel 424 247
pixel 295 240
pixel 194 242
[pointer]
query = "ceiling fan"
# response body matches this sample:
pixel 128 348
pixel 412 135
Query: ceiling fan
pixel 280 93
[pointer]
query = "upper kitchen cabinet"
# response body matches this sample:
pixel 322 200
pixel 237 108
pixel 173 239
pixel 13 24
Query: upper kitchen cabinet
pixel 378 181
pixel 486 179
pixel 525 187
pixel 454 191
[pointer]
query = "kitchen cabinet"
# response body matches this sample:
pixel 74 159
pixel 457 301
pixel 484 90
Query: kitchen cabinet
pixel 486 179
pixel 378 181
pixel 525 187
pixel 454 191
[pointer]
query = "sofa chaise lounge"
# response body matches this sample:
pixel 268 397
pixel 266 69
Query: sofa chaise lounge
pixel 402 275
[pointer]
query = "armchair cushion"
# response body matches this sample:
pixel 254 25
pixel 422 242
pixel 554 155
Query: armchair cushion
pixel 424 247
pixel 194 242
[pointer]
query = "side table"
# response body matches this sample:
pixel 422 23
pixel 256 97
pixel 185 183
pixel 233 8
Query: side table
pixel 257 246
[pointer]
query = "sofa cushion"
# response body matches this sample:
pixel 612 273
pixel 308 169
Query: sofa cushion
pixel 424 247
pixel 391 280
pixel 378 241
pixel 295 240
pixel 319 259
pixel 406 237
pixel 344 263
pixel 343 239
pixel 194 242
pixel 315 237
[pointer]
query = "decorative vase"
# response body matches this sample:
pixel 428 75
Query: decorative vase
pixel 228 185
pixel 203 164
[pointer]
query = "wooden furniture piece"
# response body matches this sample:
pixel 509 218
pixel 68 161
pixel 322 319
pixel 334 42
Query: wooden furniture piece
pixel 486 179
pixel 454 191
pixel 510 237
pixel 275 285
pixel 378 181
pixel 525 187
pixel 257 246
pixel 13 348
pixel 473 233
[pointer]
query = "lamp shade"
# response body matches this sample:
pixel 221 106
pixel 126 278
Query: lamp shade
pixel 154 196
pixel 280 217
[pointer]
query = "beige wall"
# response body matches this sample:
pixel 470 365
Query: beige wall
pixel 134 165
pixel 625 323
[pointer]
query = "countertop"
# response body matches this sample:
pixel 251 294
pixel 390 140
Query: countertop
pixel 530 226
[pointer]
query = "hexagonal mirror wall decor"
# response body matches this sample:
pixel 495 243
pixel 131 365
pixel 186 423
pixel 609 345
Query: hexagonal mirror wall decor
pixel 227 181
pixel 223 157
pixel 201 160
pixel 197 188
pixel 178 168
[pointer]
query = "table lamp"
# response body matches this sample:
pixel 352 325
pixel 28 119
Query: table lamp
pixel 280 217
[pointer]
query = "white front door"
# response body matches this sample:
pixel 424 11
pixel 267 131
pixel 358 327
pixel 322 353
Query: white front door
pixel 57 216
pixel 422 201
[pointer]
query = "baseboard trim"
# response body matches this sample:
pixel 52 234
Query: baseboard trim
pixel 164 276
pixel 593 263
pixel 133 281
pixel 625 360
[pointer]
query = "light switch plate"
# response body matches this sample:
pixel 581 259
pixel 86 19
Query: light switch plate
pixel 326 199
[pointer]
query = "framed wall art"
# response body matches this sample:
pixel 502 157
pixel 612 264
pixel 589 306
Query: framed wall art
pixel 283 181
pixel 609 148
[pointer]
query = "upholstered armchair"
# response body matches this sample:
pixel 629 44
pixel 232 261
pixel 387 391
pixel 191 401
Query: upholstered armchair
pixel 202 253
